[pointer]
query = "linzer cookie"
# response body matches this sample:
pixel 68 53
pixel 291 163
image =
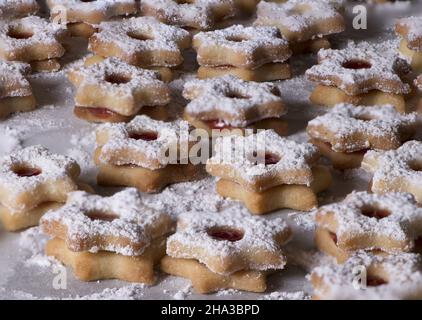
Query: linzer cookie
pixel 305 24
pixel 144 153
pixel 391 222
pixel 360 74
pixel 410 30
pixel 231 104
pixel 15 91
pixel 226 250
pixel 115 237
pixel 32 181
pixel 370 277
pixel 33 40
pixel 396 170
pixel 347 132
pixel 114 91
pixel 143 42
pixel 195 14
pixel 82 17
pixel 12 9
pixel 267 172
pixel 250 53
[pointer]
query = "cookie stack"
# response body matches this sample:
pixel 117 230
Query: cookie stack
pixel 33 181
pixel 226 251
pixel 267 172
pixel 249 53
pixel 234 105
pixel 144 153
pixel 347 132
pixel 360 74
pixel 409 29
pixel 115 237
pixel 33 40
pixel 110 90
pixel 15 90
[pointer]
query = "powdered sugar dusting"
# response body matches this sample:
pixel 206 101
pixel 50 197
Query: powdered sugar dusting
pixel 132 220
pixel 258 234
pixel 351 128
pixel 382 72
pixel 215 95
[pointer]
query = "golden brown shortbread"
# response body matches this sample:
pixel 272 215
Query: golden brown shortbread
pixel 195 14
pixel 141 41
pixel 396 170
pixel 31 39
pixel 231 103
pixel 390 222
pixel 346 132
pixel 369 276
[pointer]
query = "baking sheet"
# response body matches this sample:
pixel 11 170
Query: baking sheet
pixel 28 274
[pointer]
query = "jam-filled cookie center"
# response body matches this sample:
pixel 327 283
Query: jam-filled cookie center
pixel 356 64
pixel 266 159
pixel 226 233
pixel 145 136
pixel 116 78
pixel 26 171
pixel 237 38
pixel 185 1
pixel 375 281
pixel 102 215
pixel 415 166
pixel 236 95
pixel 19 33
pixel 377 213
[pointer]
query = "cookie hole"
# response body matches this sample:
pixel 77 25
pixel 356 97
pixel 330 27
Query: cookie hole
pixel 226 234
pixel 236 95
pixel 88 0
pixel 376 213
pixel 375 281
pixel 185 1
pixel 415 166
pixel 271 158
pixel 146 136
pixel 25 171
pixel 333 237
pixel 217 124
pixel 139 36
pixel 418 244
pixel 363 117
pixel 101 215
pixel 266 159
pixel 116 78
pixel 236 39
pixel 16 33
pixel 356 64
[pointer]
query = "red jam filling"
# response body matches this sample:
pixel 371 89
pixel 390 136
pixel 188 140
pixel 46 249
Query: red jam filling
pixel 225 234
pixel 373 281
pixel 333 237
pixel 271 159
pixel 418 244
pixel 146 136
pixel 375 213
pixel 356 64
pixel 98 215
pixel 27 172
